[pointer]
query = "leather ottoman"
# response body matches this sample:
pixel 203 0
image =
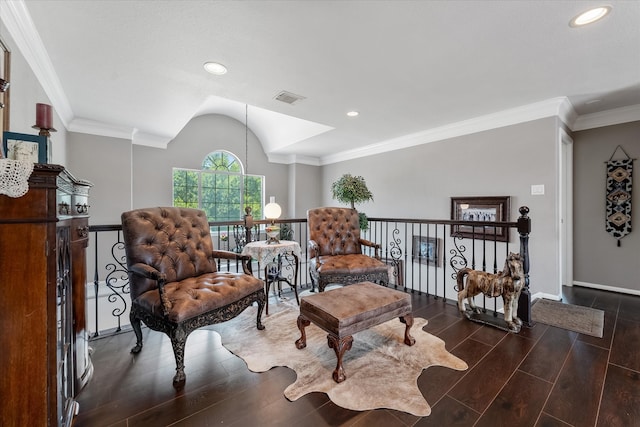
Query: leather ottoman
pixel 345 311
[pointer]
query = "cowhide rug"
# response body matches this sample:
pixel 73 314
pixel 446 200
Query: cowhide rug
pixel 381 370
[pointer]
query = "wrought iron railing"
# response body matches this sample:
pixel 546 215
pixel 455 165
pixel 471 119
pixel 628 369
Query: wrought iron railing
pixel 423 256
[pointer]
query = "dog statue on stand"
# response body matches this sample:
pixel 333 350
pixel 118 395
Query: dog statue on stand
pixel 507 283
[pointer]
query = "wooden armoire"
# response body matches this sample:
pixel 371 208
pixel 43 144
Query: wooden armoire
pixel 44 351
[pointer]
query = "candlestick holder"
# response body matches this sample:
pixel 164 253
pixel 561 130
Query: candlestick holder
pixel 44 120
pixel 46 133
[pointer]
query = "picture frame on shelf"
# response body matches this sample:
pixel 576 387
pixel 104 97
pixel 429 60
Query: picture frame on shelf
pixel 481 209
pixel 426 250
pixel 22 146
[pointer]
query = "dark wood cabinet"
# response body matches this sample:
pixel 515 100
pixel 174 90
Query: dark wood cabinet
pixel 73 209
pixel 43 339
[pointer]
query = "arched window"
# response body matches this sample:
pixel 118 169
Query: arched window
pixel 221 188
pixel 222 161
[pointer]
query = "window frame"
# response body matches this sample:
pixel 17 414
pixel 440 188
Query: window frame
pixel 201 193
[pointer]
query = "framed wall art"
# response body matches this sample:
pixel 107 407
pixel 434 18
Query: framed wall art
pixel 22 146
pixel 5 78
pixel 426 250
pixel 481 209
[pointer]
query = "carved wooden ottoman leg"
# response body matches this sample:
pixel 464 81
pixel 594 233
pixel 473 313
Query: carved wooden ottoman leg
pixel 339 346
pixel 303 322
pixel 407 319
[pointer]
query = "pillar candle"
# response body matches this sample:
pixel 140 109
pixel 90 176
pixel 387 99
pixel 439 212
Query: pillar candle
pixel 44 118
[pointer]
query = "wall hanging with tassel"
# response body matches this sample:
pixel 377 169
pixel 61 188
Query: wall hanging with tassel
pixel 618 200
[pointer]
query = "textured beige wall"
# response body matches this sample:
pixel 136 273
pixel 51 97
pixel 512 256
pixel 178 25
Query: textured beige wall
pixel 106 162
pixel 598 261
pixel 129 176
pixel 418 182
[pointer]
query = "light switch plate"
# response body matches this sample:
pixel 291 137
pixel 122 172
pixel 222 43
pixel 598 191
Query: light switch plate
pixel 537 190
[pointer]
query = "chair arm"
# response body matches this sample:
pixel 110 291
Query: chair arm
pixel 314 251
pixel 370 244
pixel 244 259
pixel 148 272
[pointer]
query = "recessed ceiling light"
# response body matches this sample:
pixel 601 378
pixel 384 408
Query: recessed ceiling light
pixel 591 15
pixel 215 68
pixel 352 113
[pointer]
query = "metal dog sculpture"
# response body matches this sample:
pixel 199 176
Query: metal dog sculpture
pixel 507 283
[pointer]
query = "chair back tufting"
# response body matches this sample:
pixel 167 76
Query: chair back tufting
pixel 335 230
pixel 175 241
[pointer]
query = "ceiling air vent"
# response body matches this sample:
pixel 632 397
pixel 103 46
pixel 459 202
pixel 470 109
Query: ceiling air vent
pixel 288 97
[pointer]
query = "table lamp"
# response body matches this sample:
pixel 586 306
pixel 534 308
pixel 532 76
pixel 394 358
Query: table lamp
pixel 272 211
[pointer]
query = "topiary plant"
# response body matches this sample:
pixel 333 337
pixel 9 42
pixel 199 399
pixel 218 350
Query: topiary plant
pixel 352 189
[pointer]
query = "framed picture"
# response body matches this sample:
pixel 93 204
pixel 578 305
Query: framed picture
pixel 426 250
pixel 481 209
pixel 5 78
pixel 21 146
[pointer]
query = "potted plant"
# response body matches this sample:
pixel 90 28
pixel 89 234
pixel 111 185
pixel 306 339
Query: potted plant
pixel 352 189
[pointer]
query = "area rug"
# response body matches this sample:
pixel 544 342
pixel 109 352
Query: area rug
pixel 584 320
pixel 381 370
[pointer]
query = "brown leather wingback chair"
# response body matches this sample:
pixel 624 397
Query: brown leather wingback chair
pixel 174 283
pixel 335 250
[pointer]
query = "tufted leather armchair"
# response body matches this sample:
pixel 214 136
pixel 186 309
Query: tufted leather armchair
pixel 335 250
pixel 174 284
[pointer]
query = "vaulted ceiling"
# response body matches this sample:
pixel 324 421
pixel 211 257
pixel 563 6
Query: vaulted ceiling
pixel 134 68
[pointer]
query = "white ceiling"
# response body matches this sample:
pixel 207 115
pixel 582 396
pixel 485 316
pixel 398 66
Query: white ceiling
pixel 135 68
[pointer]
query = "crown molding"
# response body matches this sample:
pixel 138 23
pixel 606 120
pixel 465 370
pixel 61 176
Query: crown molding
pixel 608 118
pixel 16 18
pixel 289 159
pixel 27 39
pixel 18 21
pixel 93 127
pixel 566 112
pixel 150 140
pixel 137 137
pixel 560 107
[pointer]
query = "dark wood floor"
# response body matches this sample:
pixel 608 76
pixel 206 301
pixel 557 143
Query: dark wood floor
pixel 543 376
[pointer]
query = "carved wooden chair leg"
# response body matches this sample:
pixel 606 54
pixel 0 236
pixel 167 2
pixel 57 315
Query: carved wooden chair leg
pixel 261 303
pixel 178 342
pixel 313 282
pixel 321 285
pixel 302 341
pixel 340 346
pixel 407 319
pixel 268 279
pixel 135 324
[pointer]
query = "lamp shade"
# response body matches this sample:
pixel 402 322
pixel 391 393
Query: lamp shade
pixel 272 210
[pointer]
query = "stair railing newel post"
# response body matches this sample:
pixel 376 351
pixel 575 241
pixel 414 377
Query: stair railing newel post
pixel 524 303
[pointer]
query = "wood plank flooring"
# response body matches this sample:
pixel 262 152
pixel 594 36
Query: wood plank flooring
pixel 542 377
